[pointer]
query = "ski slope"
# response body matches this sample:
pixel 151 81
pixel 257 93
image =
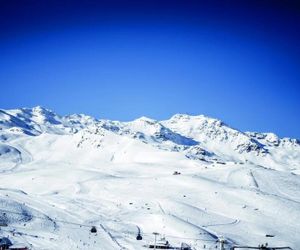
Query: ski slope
pixel 61 175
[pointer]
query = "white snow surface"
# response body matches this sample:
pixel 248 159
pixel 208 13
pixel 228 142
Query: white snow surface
pixel 61 175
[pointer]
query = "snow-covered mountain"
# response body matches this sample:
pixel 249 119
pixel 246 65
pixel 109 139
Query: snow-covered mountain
pixel 190 178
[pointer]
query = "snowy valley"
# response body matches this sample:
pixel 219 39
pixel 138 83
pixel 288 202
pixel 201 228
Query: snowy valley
pixel 191 179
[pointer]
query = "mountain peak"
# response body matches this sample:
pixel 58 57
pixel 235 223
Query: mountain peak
pixel 145 119
pixel 180 116
pixel 193 119
pixel 37 109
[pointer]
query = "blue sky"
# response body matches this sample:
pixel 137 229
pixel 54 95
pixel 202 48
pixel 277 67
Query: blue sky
pixel 233 60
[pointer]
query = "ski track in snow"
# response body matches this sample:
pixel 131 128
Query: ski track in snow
pixel 190 178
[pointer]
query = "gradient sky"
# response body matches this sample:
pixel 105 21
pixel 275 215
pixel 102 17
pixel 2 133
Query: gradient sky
pixel 238 61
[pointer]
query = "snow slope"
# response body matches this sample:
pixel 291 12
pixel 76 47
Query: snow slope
pixel 61 175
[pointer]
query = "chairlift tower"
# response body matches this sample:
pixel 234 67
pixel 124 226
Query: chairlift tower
pixel 155 235
pixel 222 242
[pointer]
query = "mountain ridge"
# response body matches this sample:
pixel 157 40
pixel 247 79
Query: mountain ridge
pixel 197 137
pixel 51 116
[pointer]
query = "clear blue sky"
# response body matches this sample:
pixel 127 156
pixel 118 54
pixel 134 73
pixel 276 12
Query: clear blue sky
pixel 238 61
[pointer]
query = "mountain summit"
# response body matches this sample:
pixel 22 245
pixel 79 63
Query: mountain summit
pixel 195 137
